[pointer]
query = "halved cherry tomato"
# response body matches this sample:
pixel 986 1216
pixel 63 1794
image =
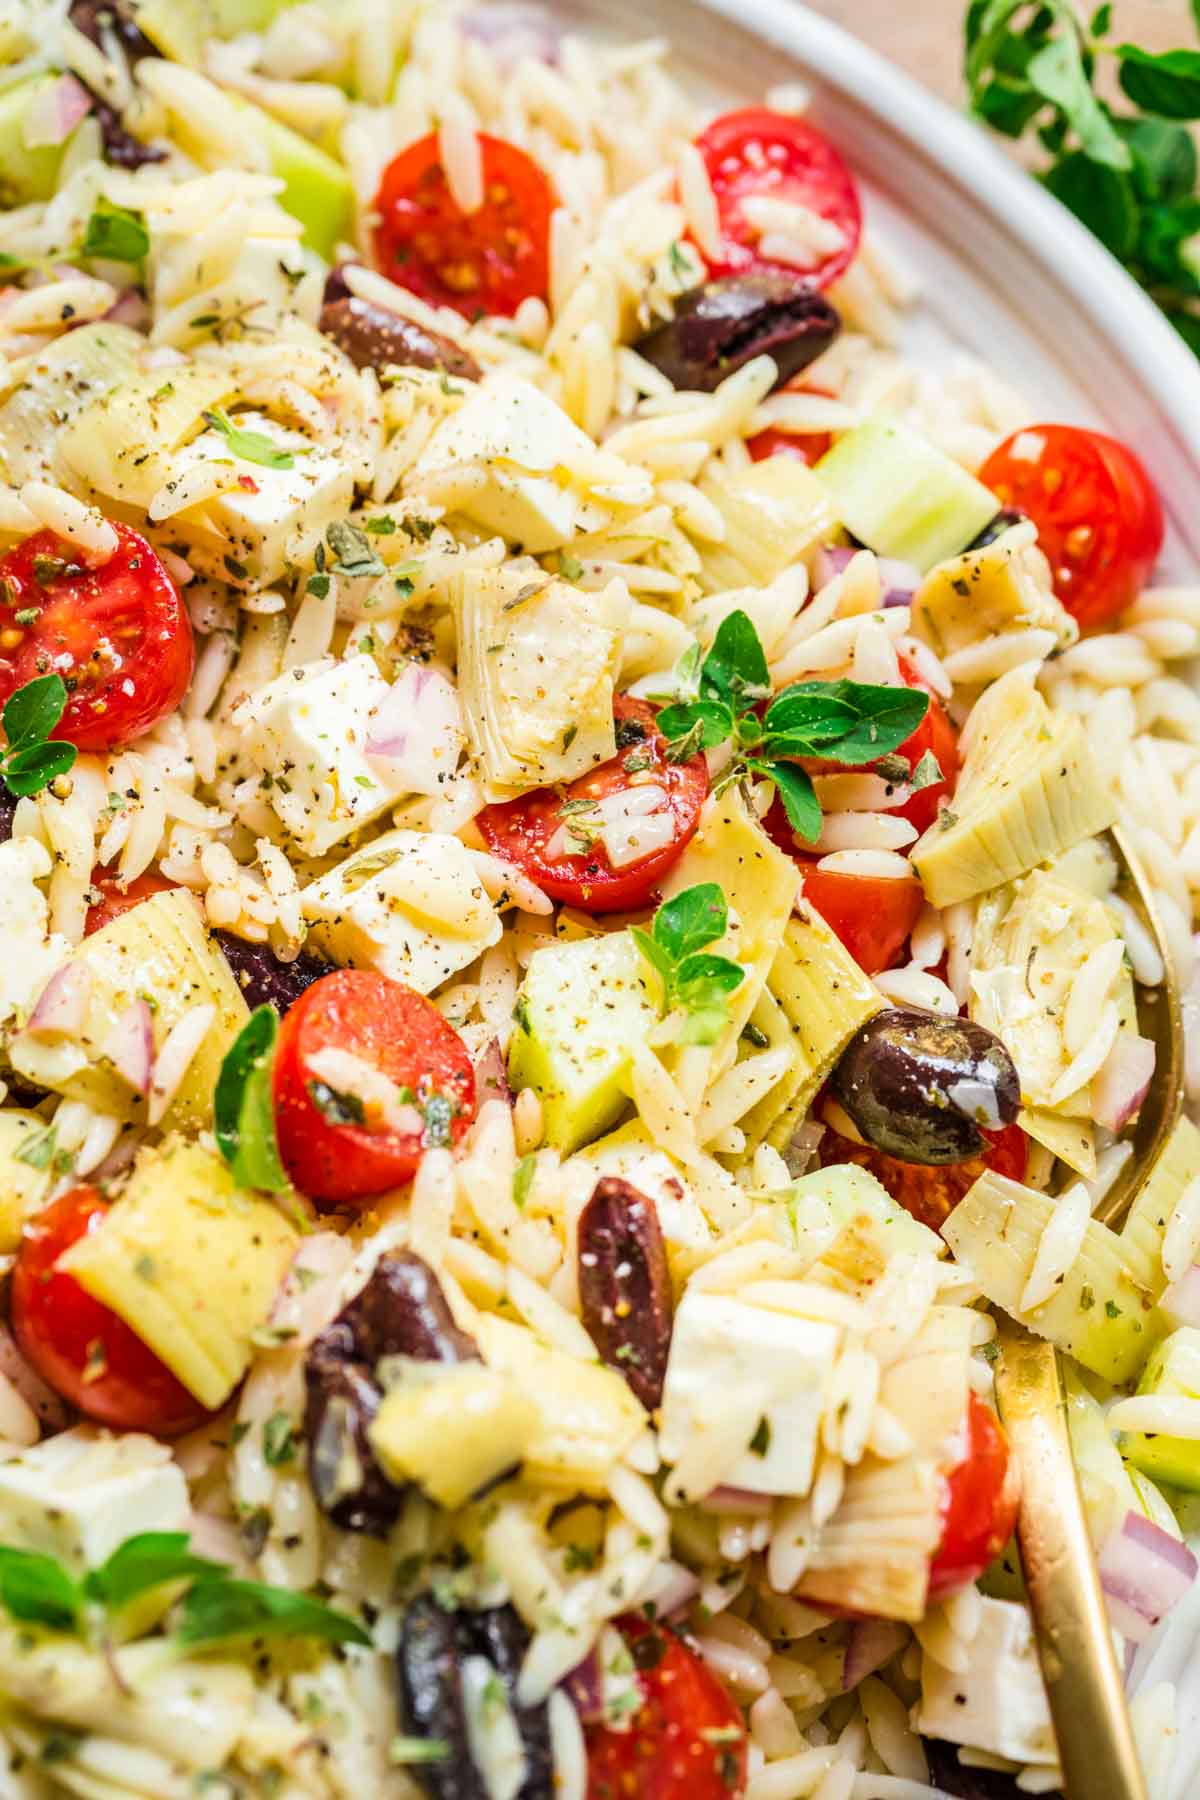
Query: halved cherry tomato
pixel 524 830
pixel 1098 515
pixel 807 448
pixel 930 1194
pixel 487 261
pixel 935 734
pixel 979 1507
pixel 119 635
pixel 687 1740
pixel 117 896
pixel 332 1148
pixel 79 1346
pixel 873 915
pixel 757 153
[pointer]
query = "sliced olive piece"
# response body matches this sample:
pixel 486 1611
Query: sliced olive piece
pixel 724 324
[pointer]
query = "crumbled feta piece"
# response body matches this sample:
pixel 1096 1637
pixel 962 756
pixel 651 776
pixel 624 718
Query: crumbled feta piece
pixel 997 1703
pixel 258 518
pixel 776 1365
pixel 410 905
pixel 308 731
pixel 80 1494
pixel 529 456
pixel 31 951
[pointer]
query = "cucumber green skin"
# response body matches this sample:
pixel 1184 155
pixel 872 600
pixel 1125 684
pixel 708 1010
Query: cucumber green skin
pixel 25 174
pixel 902 497
pixel 581 1009
pixel 317 190
pixel 1173 1460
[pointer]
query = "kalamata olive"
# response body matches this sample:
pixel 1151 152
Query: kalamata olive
pixel 373 338
pixel 1003 521
pixel 625 1285
pixel 8 812
pixel 401 1311
pixel 434 1646
pixel 87 16
pixel 924 1087
pixel 967 1783
pixel 724 324
pixel 264 978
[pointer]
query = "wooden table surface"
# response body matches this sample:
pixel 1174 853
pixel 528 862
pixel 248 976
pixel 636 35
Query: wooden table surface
pixel 924 36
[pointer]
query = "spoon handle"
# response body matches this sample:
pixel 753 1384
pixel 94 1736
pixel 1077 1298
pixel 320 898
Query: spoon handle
pixel 1087 1700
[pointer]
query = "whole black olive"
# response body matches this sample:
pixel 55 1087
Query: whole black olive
pixel 724 324
pixel 434 1644
pixel 264 978
pixel 401 1311
pixel 373 338
pixel 1003 521
pixel 924 1087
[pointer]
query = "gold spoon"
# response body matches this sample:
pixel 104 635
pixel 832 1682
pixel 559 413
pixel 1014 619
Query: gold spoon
pixel 1083 1685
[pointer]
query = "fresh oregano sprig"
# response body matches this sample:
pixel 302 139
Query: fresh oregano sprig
pixel 836 721
pixel 694 982
pixel 1126 168
pixel 37 1590
pixel 30 761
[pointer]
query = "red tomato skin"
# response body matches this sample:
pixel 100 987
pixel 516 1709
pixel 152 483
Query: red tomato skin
pixel 399 1032
pixel 664 1754
pixel 127 615
pixel 1098 514
pixel 118 897
pixel 930 1193
pixel 808 449
pixel 485 262
pixel 63 1332
pixel 760 152
pixel 873 916
pixel 979 1505
pixel 935 733
pixel 518 830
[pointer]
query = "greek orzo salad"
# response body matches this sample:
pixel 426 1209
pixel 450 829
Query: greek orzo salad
pixel 561 948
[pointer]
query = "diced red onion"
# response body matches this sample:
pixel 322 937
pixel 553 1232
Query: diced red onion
pixel 1123 1081
pixel 51 1410
pixel 514 32
pixel 55 112
pixel 871 1643
pixel 62 1007
pixel 130 1046
pixel 585 1688
pixel 491 1075
pixel 417 731
pixel 900 581
pixel 310 1295
pixel 129 308
pixel 832 560
pixel 737 1500
pixel 1181 1301
pixel 1144 1572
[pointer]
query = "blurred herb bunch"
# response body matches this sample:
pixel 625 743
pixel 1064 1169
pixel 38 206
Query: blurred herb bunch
pixel 1126 168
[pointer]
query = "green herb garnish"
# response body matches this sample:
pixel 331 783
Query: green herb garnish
pixel 353 553
pixel 116 234
pixel 243 1113
pixel 693 982
pixel 31 762
pixel 837 721
pixel 250 446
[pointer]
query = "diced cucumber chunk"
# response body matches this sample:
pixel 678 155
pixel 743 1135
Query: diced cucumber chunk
pixel 902 497
pixel 1173 1372
pixel 581 1009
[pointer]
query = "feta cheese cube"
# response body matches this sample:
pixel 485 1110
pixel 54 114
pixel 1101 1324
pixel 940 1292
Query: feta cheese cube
pixel 410 905
pixel 308 730
pixel 774 1363
pixel 257 519
pixel 997 1703
pixel 529 456
pixel 80 1494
